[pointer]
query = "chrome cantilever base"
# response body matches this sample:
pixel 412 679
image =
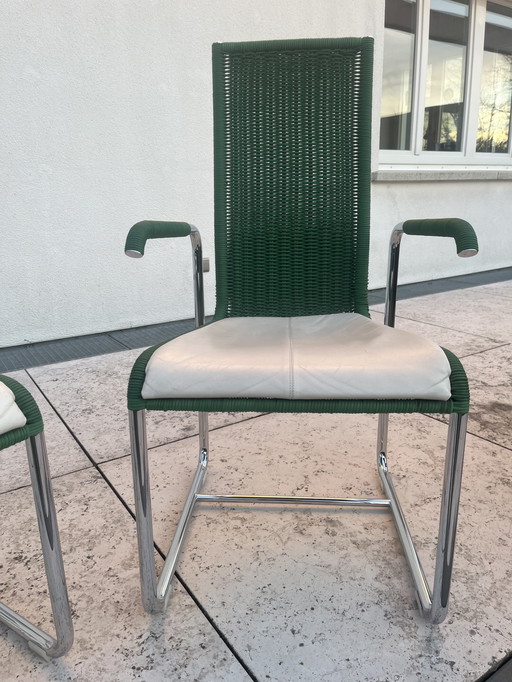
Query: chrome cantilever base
pixel 433 604
pixel 40 642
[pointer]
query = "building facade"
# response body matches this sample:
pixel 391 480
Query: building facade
pixel 107 120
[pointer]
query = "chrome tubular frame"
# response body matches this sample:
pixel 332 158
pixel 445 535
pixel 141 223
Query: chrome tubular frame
pixel 155 593
pixel 433 604
pixel 392 280
pixel 40 642
pixel 198 268
pixel 292 499
pixel 143 514
pixel 192 497
pixel 448 517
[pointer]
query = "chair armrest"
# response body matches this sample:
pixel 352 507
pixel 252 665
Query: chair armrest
pixel 158 229
pixel 461 231
pixel 152 229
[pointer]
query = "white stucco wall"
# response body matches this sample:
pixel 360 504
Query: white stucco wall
pixel 486 204
pixel 106 120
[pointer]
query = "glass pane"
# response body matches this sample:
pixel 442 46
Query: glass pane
pixel 444 101
pixel 496 88
pixel 399 36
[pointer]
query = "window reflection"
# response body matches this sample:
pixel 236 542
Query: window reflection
pixel 496 87
pixel 399 37
pixel 444 100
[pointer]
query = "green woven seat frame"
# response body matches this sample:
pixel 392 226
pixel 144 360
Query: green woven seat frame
pixel 292 149
pixel 28 406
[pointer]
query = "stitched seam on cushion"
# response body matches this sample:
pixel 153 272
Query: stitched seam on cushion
pixel 291 388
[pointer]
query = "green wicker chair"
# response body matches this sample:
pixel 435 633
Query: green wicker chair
pixel 20 420
pixel 291 330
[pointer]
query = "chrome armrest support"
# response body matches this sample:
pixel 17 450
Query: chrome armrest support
pixel 152 229
pixel 198 268
pixel 392 278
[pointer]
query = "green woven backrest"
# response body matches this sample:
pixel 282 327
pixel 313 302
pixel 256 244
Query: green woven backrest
pixel 292 124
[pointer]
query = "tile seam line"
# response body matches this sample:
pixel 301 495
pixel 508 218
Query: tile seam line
pixel 495 670
pixel 105 478
pixel 210 430
pixel 485 350
pixel 470 433
pixel 74 436
pixel 115 459
pixel 211 621
pixel 184 438
pixel 440 326
pixel 54 478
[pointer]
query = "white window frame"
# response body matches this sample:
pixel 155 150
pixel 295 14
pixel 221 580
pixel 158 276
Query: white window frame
pixel 467 158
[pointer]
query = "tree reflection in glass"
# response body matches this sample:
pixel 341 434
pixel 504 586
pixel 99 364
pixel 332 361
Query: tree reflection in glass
pixel 399 37
pixel 496 86
pixel 444 100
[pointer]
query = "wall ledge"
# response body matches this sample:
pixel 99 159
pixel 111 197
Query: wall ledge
pixel 440 174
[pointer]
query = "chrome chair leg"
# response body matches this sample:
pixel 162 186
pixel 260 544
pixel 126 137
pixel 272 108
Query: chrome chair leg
pixel 448 516
pixel 423 593
pixel 40 642
pixel 155 593
pixel 143 513
pixel 382 434
pixel 433 603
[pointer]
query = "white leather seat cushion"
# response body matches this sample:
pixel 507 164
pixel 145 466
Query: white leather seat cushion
pixel 11 417
pixel 344 355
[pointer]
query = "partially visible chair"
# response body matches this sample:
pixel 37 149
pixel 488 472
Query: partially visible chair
pixel 20 420
pixel 292 330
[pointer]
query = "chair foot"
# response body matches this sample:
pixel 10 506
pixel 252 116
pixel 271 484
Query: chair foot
pixel 39 641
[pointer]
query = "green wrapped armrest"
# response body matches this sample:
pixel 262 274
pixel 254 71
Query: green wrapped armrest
pixel 463 233
pixel 152 229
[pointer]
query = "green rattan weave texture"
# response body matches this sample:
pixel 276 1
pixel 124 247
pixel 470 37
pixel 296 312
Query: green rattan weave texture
pixel 292 124
pixel 29 408
pixel 292 176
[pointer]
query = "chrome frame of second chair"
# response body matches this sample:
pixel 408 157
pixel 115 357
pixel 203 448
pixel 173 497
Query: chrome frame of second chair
pixel 39 641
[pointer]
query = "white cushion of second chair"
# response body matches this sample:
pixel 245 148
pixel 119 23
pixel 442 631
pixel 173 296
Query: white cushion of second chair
pixel 11 417
pixel 340 356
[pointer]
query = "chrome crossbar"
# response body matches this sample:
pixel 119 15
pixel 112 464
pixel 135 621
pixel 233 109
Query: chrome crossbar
pixel 169 568
pixel 37 640
pixel 423 593
pixel 274 499
pixel 162 590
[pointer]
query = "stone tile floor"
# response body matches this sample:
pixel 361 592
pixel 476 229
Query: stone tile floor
pixel 272 594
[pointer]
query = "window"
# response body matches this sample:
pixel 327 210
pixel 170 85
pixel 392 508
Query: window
pixel 447 83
